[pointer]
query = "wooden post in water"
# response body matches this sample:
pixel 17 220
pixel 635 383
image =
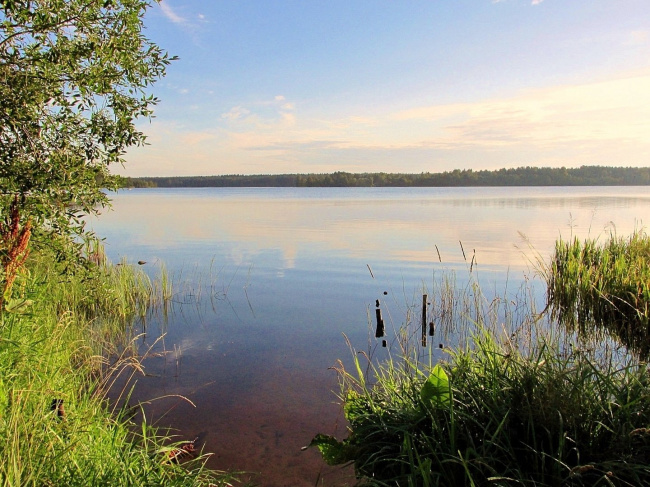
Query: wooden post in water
pixel 424 320
pixel 381 331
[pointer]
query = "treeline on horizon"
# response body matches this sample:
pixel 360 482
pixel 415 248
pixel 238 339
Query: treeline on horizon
pixel 521 176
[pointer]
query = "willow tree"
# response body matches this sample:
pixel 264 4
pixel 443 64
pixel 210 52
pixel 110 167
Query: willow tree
pixel 74 78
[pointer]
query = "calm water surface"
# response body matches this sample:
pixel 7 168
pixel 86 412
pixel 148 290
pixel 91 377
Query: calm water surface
pixel 268 280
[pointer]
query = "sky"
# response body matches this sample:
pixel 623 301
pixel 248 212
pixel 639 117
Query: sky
pixel 300 86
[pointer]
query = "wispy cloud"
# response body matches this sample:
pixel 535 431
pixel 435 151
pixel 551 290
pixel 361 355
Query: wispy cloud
pixel 191 26
pixel 262 114
pixel 612 115
pixel 171 14
pixel 604 122
pixel 618 107
pixel 236 113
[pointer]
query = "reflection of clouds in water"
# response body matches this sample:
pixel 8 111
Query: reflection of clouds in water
pixel 237 256
pixel 278 230
pixel 290 253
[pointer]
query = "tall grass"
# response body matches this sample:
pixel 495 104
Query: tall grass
pixel 606 286
pixel 517 401
pixel 55 423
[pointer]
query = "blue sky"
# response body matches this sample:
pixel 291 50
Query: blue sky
pixel 270 87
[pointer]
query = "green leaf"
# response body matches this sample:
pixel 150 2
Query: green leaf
pixel 17 305
pixel 353 407
pixel 334 452
pixel 436 389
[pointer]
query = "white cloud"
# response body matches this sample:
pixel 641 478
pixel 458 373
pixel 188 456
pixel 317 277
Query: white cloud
pixel 615 112
pixel 236 113
pixel 170 14
pixel 192 27
pixel 602 122
pixel 536 2
pixel 261 116
pixel 611 116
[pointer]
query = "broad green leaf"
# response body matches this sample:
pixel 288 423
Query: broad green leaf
pixel 436 389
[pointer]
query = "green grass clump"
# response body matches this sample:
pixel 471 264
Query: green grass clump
pixel 492 416
pixel 603 286
pixel 54 339
pixel 523 403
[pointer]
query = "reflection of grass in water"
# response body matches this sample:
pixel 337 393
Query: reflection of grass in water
pixel 54 422
pixel 604 286
pixel 515 401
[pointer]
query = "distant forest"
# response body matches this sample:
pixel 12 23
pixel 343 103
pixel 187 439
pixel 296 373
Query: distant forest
pixel 521 176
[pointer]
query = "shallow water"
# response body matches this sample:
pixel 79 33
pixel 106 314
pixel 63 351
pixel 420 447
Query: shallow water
pixel 268 281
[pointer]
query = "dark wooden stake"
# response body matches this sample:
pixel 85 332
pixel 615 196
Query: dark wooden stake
pixel 424 320
pixel 380 324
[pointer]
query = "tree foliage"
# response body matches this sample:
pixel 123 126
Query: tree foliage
pixel 521 176
pixel 74 77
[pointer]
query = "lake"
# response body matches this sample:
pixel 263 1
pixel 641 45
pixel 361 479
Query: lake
pixel 269 280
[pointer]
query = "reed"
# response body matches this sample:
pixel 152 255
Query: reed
pixel 516 401
pixel 603 286
pixel 56 425
pixel 166 290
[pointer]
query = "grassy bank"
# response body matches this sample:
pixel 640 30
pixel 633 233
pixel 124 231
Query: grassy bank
pixel 517 400
pixel 55 340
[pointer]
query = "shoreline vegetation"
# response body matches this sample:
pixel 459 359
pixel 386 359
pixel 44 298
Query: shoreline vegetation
pixel 553 398
pixel 521 176
pixel 64 338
